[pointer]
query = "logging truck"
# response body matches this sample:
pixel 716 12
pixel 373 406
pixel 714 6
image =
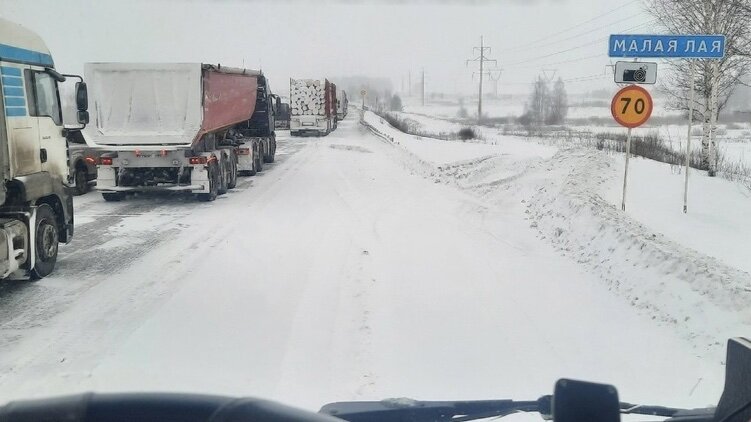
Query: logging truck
pixel 174 127
pixel 36 207
pixel 312 107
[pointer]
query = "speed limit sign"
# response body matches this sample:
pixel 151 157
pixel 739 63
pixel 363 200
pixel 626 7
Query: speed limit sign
pixel 631 106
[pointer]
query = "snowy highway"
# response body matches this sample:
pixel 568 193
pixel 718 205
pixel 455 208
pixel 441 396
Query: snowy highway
pixel 341 272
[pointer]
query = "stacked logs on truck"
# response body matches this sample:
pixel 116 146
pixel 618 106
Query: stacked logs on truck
pixel 307 97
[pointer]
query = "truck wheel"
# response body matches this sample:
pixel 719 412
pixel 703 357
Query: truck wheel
pixel 232 172
pixel 272 155
pixel 259 160
pixel 223 176
pixel 45 244
pixel 113 196
pixel 82 185
pixel 269 158
pixel 213 184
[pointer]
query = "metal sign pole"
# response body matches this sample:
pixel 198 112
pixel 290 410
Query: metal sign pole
pixel 625 174
pixel 688 137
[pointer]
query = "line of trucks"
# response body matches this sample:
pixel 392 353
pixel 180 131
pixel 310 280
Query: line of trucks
pixel 186 127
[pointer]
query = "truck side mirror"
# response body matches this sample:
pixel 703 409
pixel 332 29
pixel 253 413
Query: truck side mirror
pixel 82 100
pixel 83 117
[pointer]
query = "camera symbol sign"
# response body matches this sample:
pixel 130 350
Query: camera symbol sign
pixel 631 106
pixel 635 72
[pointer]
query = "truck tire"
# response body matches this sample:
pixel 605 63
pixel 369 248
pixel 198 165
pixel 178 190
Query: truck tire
pixel 45 243
pixel 113 196
pixel 223 175
pixel 269 157
pixel 259 160
pixel 82 185
pixel 233 171
pixel 213 184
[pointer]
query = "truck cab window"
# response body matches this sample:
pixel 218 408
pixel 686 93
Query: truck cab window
pixel 43 99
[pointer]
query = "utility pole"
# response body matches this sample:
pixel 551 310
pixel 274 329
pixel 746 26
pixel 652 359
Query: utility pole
pixel 482 59
pixel 495 76
pixel 547 75
pixel 409 82
pixel 423 87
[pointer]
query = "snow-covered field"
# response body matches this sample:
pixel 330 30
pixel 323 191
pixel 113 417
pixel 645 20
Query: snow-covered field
pixel 512 107
pixel 717 224
pixel 371 264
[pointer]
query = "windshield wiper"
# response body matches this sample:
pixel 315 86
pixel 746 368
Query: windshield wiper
pixel 397 410
pixel 408 410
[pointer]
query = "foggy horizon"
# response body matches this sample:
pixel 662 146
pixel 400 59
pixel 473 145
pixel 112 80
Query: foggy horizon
pixel 388 39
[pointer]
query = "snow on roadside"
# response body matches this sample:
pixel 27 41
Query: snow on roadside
pixel 569 200
pixel 717 223
pixel 471 164
pixel 702 296
pixel 430 150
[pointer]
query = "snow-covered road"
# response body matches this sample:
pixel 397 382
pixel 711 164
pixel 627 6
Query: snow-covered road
pixel 338 273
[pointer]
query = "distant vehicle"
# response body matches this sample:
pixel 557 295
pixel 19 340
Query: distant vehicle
pixel 342 103
pixel 282 114
pixel 36 208
pixel 188 144
pixel 83 162
pixel 312 107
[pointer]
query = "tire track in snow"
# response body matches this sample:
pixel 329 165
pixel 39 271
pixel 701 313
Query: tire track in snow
pixel 124 295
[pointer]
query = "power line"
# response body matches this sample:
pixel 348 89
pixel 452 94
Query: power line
pixel 576 47
pixel 576 79
pixel 572 27
pixel 578 59
pixel 590 31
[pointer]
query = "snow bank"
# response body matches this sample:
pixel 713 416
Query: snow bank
pixel 718 223
pixel 704 297
pixel 430 150
pixel 653 256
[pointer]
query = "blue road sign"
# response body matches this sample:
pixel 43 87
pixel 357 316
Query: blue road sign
pixel 667 46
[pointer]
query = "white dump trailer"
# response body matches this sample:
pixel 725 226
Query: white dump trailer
pixel 169 126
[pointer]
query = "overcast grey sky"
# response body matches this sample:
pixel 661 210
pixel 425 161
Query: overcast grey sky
pixel 325 38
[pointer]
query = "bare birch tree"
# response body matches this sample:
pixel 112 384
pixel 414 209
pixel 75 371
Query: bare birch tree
pixel 727 17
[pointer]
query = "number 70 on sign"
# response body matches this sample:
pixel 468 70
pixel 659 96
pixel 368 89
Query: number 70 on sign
pixel 631 106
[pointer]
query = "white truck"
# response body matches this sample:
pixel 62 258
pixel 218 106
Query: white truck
pixel 36 207
pixel 170 126
pixel 312 107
